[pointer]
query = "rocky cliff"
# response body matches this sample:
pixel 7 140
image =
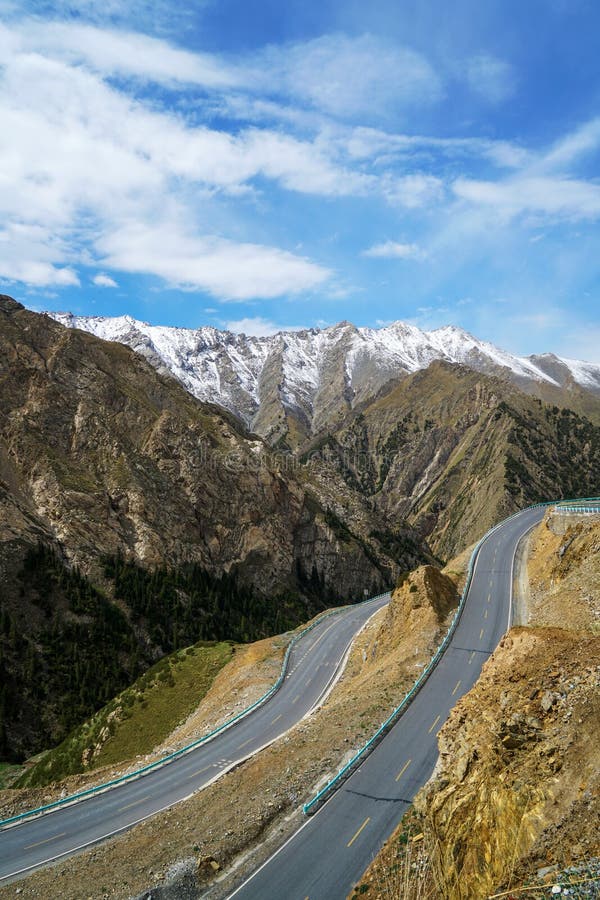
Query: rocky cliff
pixel 454 452
pixel 102 457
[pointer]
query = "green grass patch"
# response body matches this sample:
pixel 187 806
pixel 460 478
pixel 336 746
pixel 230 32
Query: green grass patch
pixel 137 719
pixel 8 775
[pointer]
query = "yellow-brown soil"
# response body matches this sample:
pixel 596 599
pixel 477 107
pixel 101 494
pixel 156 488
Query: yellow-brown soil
pixel 517 786
pixel 564 573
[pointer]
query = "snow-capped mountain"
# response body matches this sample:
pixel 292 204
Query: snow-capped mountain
pixel 314 375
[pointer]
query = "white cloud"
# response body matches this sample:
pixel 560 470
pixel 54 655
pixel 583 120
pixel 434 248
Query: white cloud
pixel 558 197
pixel 227 270
pixel 370 143
pixel 491 77
pixel 302 166
pixel 158 15
pixel 414 190
pixel 87 160
pixel 31 254
pixel 583 140
pixel 348 76
pixel 395 250
pixel 335 74
pixel 78 159
pixel 112 51
pixel 106 281
pixel 256 326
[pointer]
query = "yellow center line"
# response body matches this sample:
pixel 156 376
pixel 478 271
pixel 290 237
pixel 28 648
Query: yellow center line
pixel 199 771
pixel 456 687
pixel 54 837
pixel 276 719
pixel 481 634
pixel 244 744
pixel 364 824
pixel 403 770
pixel 434 724
pixel 135 803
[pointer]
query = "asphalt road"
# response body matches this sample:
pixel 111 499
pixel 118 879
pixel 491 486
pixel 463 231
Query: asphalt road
pixel 330 852
pixel 314 662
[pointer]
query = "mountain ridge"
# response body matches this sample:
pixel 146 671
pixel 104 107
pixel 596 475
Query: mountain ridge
pixel 135 519
pixel 288 386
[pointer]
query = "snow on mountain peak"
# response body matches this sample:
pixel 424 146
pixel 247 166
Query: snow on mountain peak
pixel 299 368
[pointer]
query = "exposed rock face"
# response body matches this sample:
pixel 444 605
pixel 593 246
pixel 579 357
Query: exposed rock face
pixel 290 386
pixel 564 572
pixel 100 454
pixel 419 605
pixel 517 784
pixel 454 452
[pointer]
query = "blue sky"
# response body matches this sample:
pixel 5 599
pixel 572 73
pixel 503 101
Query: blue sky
pixel 260 165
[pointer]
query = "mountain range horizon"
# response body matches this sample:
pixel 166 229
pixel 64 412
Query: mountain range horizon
pixel 65 315
pixel 291 386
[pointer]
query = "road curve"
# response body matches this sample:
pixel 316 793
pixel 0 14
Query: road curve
pixel 313 664
pixel 329 853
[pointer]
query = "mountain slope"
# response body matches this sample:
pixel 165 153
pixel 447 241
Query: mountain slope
pixel 291 385
pixel 160 522
pixel 453 452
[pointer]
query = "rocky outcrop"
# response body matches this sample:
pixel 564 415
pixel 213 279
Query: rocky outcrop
pixel 101 456
pixel 419 605
pixel 453 452
pixel 517 783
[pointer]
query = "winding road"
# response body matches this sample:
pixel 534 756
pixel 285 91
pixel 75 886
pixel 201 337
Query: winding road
pixel 314 662
pixel 332 849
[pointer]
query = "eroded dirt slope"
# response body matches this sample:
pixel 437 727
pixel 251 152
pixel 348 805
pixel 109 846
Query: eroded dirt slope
pixel 517 788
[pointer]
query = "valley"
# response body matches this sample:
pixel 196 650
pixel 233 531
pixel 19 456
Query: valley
pixel 137 520
pixel 299 450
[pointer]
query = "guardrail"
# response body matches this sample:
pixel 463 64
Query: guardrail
pixel 313 805
pixel 577 510
pixel 165 760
